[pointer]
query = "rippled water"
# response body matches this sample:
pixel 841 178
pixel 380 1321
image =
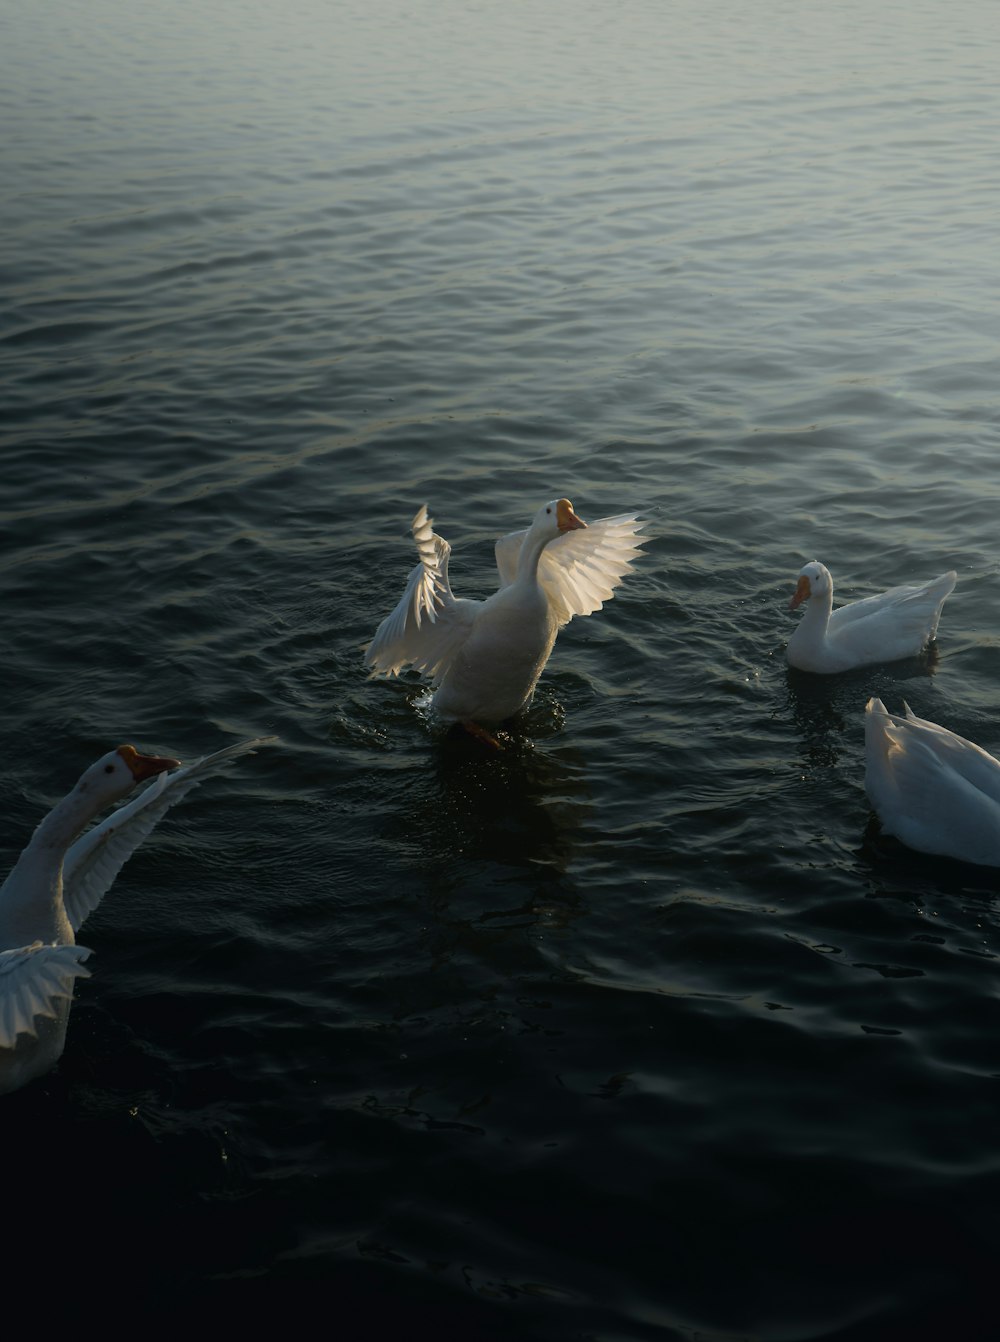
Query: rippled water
pixel 639 1028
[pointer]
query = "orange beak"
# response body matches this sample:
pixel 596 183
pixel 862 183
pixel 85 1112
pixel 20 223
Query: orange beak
pixel 801 593
pixel 145 766
pixel 566 518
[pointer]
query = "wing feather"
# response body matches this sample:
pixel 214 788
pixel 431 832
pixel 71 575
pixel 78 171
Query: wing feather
pixel 96 858
pixel 507 550
pixel 32 981
pixel 955 753
pixel 934 790
pixel 429 624
pixel 913 609
pixel 580 570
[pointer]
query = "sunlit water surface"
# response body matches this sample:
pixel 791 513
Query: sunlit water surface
pixel 639 1028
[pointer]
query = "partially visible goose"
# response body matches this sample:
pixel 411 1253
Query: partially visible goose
pixel 59 879
pixel 885 628
pixel 484 658
pixel 933 790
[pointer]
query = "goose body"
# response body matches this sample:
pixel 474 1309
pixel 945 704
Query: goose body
pixel 484 658
pixel 933 790
pixel 60 878
pixel 885 628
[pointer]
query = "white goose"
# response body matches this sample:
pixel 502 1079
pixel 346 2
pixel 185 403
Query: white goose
pixel 895 624
pixel 484 658
pixel 933 790
pixel 57 882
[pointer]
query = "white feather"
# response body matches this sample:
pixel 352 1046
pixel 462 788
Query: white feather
pixel 932 789
pixel 59 879
pixel 33 979
pixel 96 858
pixel 484 657
pixel 894 624
pixel 429 624
pixel 581 569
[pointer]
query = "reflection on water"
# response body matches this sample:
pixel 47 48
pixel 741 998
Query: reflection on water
pixel 513 812
pixel 813 705
pixel 447 1027
pixel 829 710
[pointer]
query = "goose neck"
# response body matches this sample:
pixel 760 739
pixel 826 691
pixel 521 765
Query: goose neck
pixel 531 552
pixel 821 605
pixel 36 879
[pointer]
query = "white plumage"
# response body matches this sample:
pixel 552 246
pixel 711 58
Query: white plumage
pixel 933 790
pixel 885 628
pixel 59 879
pixel 484 658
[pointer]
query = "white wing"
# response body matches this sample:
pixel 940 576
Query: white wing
pixel 32 979
pixel 913 611
pixel 962 757
pixel 93 862
pixel 932 789
pixel 579 570
pixel 430 624
pixel 507 550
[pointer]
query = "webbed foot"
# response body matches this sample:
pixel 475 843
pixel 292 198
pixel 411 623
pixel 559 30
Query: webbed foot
pixel 481 734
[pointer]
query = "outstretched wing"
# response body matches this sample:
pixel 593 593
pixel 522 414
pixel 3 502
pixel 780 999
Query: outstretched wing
pixel 93 862
pixel 507 551
pixel 32 980
pixel 579 570
pixel 430 624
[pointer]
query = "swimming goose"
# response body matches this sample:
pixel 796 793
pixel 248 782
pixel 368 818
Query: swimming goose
pixel 884 628
pixel 484 658
pixel 933 790
pixel 59 879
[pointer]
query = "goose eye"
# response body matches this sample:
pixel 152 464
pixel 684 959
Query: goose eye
pixel 548 510
pixel 109 768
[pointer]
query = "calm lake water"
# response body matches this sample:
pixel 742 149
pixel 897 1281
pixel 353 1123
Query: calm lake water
pixel 640 1028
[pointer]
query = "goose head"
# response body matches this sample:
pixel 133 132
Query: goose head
pixel 814 580
pixel 555 518
pixel 115 774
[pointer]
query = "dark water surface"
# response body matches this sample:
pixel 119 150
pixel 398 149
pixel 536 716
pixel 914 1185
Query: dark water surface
pixel 639 1029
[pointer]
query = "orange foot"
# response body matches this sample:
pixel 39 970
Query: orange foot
pixel 481 734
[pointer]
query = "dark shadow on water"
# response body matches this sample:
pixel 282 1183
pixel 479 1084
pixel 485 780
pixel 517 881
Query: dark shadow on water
pixel 495 827
pixel 818 719
pixel 519 806
pixel 895 868
pixel 826 708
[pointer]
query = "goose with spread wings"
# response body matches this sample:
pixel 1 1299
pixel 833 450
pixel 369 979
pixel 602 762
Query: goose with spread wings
pixel 60 878
pixel 484 658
